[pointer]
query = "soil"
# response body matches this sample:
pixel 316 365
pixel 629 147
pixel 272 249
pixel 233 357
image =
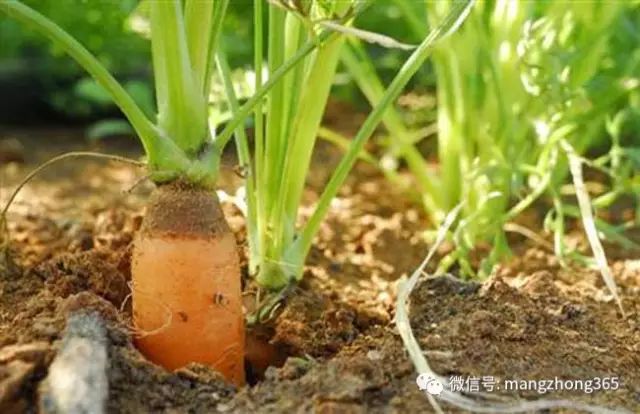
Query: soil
pixel 201 215
pixel 71 230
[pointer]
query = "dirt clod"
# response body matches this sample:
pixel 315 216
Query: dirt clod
pixel 70 274
pixel 20 366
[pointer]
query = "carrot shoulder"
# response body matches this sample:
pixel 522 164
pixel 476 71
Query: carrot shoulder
pixel 186 284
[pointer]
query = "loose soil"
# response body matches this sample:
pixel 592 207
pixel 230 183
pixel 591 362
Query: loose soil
pixel 71 230
pixel 192 203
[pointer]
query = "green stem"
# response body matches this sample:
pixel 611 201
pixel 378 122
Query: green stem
pixel 283 107
pixel 219 12
pixel 295 35
pixel 182 112
pixel 306 123
pixel 288 183
pixel 198 16
pixel 363 71
pixel 259 163
pixel 244 156
pixel 344 143
pixel 301 246
pixel 275 139
pixel 245 110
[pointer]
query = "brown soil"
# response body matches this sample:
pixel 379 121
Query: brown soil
pixel 201 215
pixel 71 229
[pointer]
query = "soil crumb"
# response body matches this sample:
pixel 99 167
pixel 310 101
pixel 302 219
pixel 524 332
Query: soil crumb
pixel 181 210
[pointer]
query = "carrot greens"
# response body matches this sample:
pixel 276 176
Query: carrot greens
pixel 287 124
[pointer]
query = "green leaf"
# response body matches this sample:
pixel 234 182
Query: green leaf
pixel 109 128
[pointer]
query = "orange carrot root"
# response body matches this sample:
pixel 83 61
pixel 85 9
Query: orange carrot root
pixel 186 284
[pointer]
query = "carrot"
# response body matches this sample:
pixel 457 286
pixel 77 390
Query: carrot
pixel 186 283
pixel 260 354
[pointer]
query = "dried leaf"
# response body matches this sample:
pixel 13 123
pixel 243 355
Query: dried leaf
pixel 369 37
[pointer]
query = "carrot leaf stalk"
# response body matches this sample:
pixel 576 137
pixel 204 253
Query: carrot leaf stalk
pixel 286 132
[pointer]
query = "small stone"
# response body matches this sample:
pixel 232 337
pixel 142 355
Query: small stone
pixel 223 408
pixel 374 355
